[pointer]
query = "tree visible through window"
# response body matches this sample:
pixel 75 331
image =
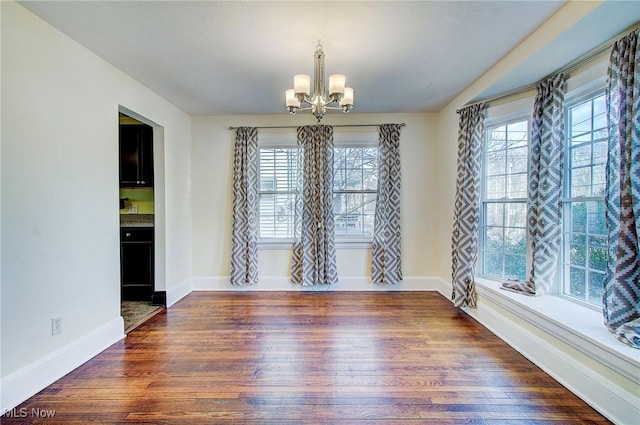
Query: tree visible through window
pixel 504 206
pixel 355 182
pixel 584 236
pixel 354 191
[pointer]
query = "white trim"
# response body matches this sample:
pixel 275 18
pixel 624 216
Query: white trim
pixel 177 292
pixel 551 339
pixel 28 380
pixel 348 283
pixel 576 325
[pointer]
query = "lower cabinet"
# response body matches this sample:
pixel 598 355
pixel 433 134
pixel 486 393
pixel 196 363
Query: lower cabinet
pixel 136 263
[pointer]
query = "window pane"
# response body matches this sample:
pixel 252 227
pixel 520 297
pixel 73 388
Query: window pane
pixel 517 186
pixel 517 160
pixel 596 282
pixel 599 183
pixel 577 286
pixel 584 221
pixel 579 217
pixel 581 156
pixel 597 258
pixel 516 214
pixel 495 187
pixel 276 215
pixel 496 162
pixel 354 185
pixel 504 238
pixel 278 173
pixel 578 255
pixel 581 118
pixel 495 214
pixel 515 241
pixel 493 263
pixel 515 267
pixel 495 238
pixel 581 182
pixel 497 139
pixel 369 203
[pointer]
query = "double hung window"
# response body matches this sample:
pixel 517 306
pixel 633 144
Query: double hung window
pixel 584 258
pixel 278 170
pixel 504 201
pixel 355 182
pixel 354 188
pixel 504 249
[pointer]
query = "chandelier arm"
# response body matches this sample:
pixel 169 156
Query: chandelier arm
pixel 319 100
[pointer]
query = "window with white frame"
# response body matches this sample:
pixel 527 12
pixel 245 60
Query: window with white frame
pixel 278 175
pixel 354 188
pixel 355 182
pixel 503 235
pixel 584 257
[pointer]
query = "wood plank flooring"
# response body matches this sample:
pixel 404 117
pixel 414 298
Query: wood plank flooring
pixel 309 358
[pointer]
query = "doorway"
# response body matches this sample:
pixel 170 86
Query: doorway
pixel 142 286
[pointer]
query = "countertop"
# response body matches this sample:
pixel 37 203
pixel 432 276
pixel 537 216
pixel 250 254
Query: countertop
pixel 136 220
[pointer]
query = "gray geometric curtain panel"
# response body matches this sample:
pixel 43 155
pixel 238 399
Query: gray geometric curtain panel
pixel 621 295
pixel 544 200
pixel 385 261
pixel 314 255
pixel 244 238
pixel 466 215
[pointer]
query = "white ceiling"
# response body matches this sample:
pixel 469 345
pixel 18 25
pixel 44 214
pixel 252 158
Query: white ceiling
pixel 237 57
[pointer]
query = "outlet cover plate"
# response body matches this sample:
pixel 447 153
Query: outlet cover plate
pixel 56 325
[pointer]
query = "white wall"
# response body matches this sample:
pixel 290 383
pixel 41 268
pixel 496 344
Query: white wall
pixel 609 391
pixel 60 239
pixel 212 148
pixel 447 118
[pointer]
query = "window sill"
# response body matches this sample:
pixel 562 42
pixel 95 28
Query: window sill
pixel 578 326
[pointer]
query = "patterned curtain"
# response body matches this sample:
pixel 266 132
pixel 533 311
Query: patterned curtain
pixel 314 255
pixel 244 238
pixel 466 215
pixel 544 201
pixel 621 297
pixel 385 261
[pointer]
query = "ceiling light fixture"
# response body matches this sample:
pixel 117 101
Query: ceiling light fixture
pixel 338 97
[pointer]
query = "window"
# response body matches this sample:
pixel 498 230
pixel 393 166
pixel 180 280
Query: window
pixel 354 189
pixel 503 236
pixel 584 258
pixel 278 173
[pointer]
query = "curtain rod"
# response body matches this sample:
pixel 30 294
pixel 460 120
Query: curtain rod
pixel 572 66
pixel 296 126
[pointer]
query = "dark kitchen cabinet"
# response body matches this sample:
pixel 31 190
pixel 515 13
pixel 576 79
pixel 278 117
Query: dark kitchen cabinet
pixel 136 263
pixel 136 155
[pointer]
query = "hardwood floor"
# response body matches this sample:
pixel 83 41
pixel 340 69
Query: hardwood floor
pixel 311 358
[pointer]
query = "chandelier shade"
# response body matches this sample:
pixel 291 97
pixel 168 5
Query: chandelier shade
pixel 301 98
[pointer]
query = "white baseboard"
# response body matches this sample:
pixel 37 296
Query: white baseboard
pixel 177 292
pixel 613 401
pixel 29 380
pixel 349 283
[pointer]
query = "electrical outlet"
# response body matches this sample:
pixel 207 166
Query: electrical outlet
pixel 133 209
pixel 56 325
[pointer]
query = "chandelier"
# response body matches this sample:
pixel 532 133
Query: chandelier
pixel 300 98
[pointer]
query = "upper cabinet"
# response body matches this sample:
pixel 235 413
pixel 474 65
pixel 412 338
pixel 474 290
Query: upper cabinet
pixel 136 155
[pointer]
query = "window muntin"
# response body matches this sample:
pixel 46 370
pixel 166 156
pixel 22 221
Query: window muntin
pixel 504 204
pixel 278 168
pixel 584 258
pixel 355 182
pixel 354 191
